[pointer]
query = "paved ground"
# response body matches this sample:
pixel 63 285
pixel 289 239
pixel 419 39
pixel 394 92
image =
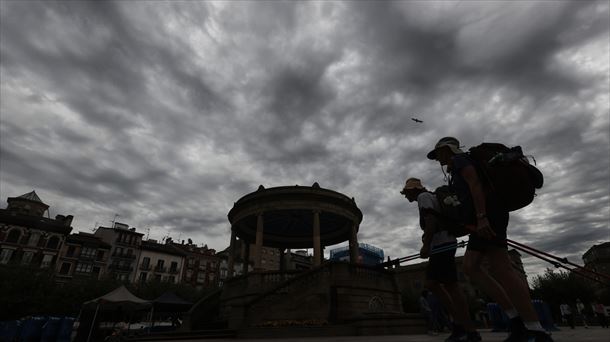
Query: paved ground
pixel 593 334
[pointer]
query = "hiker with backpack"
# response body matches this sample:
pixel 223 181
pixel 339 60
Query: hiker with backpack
pixel 487 213
pixel 441 273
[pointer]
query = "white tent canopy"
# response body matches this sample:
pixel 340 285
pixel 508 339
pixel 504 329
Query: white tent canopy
pixel 119 296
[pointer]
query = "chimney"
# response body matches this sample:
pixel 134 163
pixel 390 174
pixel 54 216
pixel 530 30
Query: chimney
pixel 68 220
pixel 183 242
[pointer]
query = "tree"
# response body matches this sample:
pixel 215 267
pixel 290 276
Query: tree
pixel 560 287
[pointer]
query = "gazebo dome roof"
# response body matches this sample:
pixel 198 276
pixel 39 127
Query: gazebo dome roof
pixel 288 213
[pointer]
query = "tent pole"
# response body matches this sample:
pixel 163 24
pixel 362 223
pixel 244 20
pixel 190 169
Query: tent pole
pixel 152 312
pixel 93 322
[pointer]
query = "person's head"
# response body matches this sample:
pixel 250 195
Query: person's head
pixel 444 150
pixel 412 189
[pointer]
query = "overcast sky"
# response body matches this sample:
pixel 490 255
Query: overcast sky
pixel 168 112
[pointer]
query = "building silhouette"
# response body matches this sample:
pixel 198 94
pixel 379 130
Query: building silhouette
pixel 367 254
pixel 597 258
pixel 83 256
pixel 27 237
pixel 126 245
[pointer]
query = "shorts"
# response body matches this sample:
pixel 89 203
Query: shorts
pixel 441 266
pixel 498 220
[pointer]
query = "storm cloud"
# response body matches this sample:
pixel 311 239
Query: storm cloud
pixel 168 112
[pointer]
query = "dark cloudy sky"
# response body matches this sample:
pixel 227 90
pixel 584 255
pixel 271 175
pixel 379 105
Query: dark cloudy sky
pixel 167 112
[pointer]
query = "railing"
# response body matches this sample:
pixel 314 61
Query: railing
pixel 160 269
pixel 174 270
pixel 120 267
pixel 145 267
pixel 293 284
pixel 123 255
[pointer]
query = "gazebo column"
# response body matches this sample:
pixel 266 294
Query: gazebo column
pixel 259 242
pixel 353 244
pixel 231 254
pixel 246 257
pixel 317 247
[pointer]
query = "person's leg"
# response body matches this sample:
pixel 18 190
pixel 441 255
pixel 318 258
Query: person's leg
pixel 473 269
pixel 442 295
pixel 514 285
pixel 460 306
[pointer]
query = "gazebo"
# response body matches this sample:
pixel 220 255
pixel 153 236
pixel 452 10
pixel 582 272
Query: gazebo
pixel 293 217
pixel 335 297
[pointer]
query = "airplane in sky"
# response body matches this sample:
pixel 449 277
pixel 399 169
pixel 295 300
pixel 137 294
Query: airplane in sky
pixel 416 120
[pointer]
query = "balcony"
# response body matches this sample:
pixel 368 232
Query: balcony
pixel 145 267
pixel 123 255
pixel 125 268
pixel 174 270
pixel 87 257
pixel 160 269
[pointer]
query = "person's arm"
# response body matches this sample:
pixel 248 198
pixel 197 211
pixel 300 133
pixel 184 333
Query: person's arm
pixel 430 224
pixel 469 173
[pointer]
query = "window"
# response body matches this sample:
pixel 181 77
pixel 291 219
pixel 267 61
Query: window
pixel 65 268
pixel 53 242
pixel 160 263
pixel 173 267
pixel 146 262
pixel 70 251
pixel 143 276
pixel 46 261
pixel 5 256
pixel 118 251
pixel 27 258
pixel 33 241
pixel 84 268
pixel 96 270
pixel 100 255
pixel 158 277
pixel 87 252
pixel 129 252
pixel 13 236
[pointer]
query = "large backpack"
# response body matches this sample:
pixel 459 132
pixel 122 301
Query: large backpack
pixel 450 216
pixel 507 173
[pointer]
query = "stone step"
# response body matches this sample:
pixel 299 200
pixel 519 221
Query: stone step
pixel 187 335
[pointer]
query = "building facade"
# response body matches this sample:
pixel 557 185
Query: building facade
pixel 29 238
pixel 597 258
pixel 125 245
pixel 83 256
pixel 159 262
pixel 201 267
pixel 298 260
pixel 367 254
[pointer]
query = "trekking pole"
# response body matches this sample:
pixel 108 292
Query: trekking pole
pixel 418 255
pixel 554 263
pixel 562 260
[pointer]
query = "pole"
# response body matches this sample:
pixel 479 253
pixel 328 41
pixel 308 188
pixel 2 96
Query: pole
pixel 555 263
pixel 93 322
pixel 516 244
pixel 150 321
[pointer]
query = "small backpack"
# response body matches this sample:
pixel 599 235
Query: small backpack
pixel 450 217
pixel 507 173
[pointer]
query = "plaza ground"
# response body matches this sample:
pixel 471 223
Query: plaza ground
pixel 593 334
